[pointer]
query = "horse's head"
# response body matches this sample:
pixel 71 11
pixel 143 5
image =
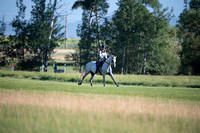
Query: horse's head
pixel 114 60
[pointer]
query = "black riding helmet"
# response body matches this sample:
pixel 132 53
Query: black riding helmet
pixel 103 46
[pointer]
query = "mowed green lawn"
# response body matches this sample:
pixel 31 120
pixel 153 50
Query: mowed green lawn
pixel 44 102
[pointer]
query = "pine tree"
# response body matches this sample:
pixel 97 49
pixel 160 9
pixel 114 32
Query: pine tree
pixel 19 40
pixel 89 30
pixel 39 30
pixel 96 8
pixel 189 34
pixel 2 27
pixel 3 42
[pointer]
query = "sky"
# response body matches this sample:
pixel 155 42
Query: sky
pixel 9 10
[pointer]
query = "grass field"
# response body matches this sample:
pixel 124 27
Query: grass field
pixel 139 80
pixel 48 102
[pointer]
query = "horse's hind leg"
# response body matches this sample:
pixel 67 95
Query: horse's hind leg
pixel 86 73
pixel 92 76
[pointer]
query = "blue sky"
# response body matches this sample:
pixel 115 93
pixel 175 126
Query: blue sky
pixel 9 10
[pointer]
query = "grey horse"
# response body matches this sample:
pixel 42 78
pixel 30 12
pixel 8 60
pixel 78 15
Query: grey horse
pixel 105 69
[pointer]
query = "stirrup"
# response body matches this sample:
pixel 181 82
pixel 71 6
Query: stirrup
pixel 98 71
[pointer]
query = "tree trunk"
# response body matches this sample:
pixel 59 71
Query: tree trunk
pixel 144 63
pixel 51 30
pixel 98 28
pixel 66 31
pixel 123 61
pixel 90 18
pixel 80 63
pixel 52 18
pixel 23 48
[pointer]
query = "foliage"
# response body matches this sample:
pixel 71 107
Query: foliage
pixel 89 31
pixel 142 39
pixel 3 41
pixel 86 47
pixel 189 34
pixel 3 27
pixel 28 47
pixel 39 35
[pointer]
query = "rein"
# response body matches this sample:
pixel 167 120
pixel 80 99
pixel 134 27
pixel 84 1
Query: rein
pixel 108 63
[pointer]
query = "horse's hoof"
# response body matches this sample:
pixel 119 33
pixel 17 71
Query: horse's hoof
pixel 117 85
pixel 79 83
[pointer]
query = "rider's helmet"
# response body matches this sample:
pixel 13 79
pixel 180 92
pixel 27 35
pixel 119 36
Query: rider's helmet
pixel 103 46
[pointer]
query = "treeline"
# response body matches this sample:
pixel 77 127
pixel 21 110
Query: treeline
pixel 140 36
pixel 138 33
pixel 33 42
pixel 189 38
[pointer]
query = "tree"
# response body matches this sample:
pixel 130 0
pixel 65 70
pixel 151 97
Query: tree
pixel 189 38
pixel 2 32
pixel 96 7
pixel 139 37
pixel 85 5
pixel 50 34
pixel 40 43
pixel 2 27
pixel 34 39
pixel 18 41
pixel 89 31
pixel 19 25
pixel 86 46
pixel 3 41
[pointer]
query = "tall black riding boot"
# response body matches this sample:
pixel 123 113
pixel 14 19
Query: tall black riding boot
pixel 98 65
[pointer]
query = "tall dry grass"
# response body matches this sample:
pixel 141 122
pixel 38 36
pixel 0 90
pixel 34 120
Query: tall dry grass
pixel 102 104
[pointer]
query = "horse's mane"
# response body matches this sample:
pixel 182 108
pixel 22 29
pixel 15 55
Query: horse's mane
pixel 111 56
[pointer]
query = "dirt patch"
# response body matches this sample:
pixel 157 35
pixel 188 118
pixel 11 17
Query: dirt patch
pixel 59 54
pixel 101 104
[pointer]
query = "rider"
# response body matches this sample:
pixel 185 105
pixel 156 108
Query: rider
pixel 102 57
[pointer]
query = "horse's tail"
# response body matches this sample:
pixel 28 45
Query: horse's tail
pixel 82 74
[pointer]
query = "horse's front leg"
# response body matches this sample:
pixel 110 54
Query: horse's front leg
pixel 104 82
pixel 113 79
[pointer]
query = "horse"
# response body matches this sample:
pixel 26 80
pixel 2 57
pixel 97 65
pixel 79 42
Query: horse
pixel 105 69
